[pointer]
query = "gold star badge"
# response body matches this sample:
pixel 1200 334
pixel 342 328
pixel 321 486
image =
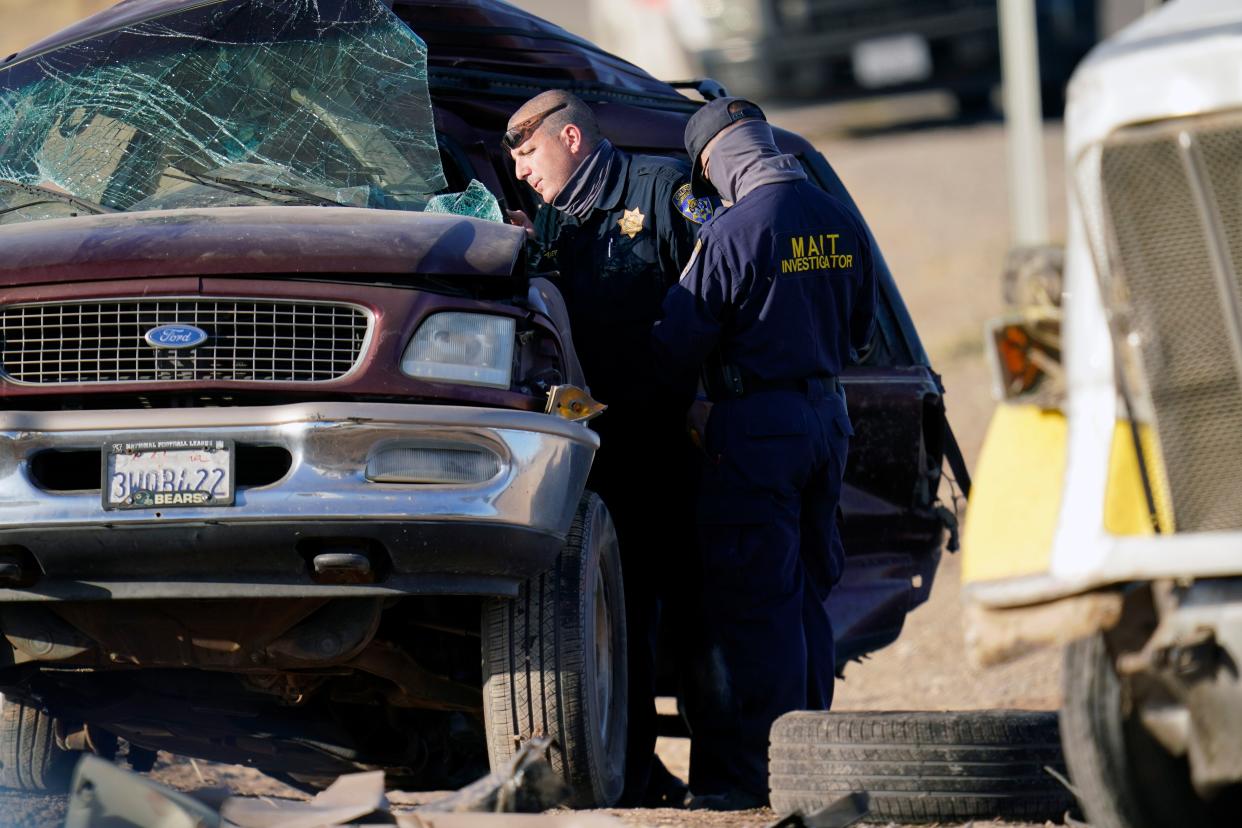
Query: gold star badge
pixel 632 222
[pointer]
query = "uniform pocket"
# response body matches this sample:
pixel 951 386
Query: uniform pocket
pixel 723 505
pixel 843 425
pixel 775 417
pixel 631 285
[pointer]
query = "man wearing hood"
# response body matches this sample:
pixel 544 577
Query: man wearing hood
pixel 778 298
pixel 619 228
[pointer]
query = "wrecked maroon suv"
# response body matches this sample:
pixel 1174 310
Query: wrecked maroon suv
pixel 292 447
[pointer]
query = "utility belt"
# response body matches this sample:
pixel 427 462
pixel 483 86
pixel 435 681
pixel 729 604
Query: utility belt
pixel 723 381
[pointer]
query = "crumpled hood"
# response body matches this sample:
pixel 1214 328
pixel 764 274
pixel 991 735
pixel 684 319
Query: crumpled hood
pixel 256 240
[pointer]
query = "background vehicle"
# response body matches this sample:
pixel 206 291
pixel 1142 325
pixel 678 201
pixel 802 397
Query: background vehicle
pixel 330 620
pixel 797 49
pixel 1106 514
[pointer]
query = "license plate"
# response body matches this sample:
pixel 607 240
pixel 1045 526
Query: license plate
pixel 168 474
pixel 888 61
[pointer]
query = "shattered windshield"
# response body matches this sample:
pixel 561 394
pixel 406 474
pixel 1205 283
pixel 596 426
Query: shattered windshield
pixel 227 103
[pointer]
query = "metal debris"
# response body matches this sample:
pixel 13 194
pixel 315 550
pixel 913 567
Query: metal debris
pixel 103 794
pixel 843 812
pixel 526 785
pixel 106 796
pixel 349 799
pixel 561 819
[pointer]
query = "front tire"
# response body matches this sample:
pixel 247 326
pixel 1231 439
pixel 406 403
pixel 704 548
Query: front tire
pixel 554 663
pixel 1123 777
pixel 30 759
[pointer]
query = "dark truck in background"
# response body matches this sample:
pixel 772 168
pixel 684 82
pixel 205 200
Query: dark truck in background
pixel 844 48
pixel 835 49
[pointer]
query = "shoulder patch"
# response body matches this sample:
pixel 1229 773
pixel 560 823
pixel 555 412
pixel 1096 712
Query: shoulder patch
pixel 697 210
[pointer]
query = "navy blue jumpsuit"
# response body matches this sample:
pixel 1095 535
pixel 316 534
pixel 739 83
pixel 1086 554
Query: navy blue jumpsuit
pixel 781 290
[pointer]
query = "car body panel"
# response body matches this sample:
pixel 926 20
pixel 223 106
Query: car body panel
pixel 437 538
pixel 253 241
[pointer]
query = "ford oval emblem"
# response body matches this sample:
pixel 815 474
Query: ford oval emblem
pixel 176 337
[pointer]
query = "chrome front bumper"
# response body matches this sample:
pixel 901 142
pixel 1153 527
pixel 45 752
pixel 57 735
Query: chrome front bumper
pixel 462 539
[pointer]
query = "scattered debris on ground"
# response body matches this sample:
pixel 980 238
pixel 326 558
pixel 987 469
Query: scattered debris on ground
pixel 104 795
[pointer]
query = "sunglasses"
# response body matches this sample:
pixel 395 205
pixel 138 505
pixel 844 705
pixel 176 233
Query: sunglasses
pixel 518 135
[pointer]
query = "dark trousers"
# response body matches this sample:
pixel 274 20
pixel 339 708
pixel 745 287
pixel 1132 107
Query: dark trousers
pixel 646 472
pixel 770 553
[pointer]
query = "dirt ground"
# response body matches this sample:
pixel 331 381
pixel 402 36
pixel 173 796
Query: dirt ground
pixel 23 22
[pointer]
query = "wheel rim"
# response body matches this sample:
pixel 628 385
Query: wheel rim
pixel 603 656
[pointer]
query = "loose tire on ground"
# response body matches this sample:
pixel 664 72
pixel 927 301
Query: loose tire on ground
pixel 921 766
pixel 554 663
pixel 30 759
pixel 1123 777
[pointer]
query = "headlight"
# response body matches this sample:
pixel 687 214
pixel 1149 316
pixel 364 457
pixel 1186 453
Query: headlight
pixel 467 348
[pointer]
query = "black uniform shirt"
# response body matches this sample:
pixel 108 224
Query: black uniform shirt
pixel 616 267
pixel 783 283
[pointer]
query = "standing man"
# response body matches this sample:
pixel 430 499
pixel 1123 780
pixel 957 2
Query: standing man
pixel 778 297
pixel 619 228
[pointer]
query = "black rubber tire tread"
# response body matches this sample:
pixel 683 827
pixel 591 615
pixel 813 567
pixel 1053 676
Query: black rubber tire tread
pixel 1092 733
pixel 30 759
pixel 1123 777
pixel 534 664
pixel 921 766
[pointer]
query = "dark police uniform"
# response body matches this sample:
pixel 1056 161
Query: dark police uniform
pixel 780 292
pixel 615 269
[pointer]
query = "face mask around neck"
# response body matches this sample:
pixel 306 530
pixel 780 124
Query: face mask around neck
pixel 581 192
pixel 746 157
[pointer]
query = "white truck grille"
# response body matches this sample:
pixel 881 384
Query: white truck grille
pixel 1171 198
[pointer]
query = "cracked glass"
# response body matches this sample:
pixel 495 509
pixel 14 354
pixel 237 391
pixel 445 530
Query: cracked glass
pixel 227 103
pixel 476 200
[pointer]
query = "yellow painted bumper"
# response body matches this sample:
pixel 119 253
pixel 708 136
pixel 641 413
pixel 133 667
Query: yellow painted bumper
pixel 1015 501
pixel 1016 495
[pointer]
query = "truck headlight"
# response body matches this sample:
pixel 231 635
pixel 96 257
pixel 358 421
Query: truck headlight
pixel 466 348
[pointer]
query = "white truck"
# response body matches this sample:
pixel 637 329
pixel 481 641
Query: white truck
pixel 1107 509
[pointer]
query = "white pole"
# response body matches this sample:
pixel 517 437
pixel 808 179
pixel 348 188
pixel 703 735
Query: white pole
pixel 1028 195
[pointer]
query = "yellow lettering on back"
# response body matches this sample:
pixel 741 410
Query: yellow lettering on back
pixel 812 249
pixel 799 246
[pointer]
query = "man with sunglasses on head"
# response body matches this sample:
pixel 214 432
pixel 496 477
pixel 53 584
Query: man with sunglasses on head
pixel 618 228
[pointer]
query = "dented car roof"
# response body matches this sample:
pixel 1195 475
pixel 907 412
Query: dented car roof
pixel 467 35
